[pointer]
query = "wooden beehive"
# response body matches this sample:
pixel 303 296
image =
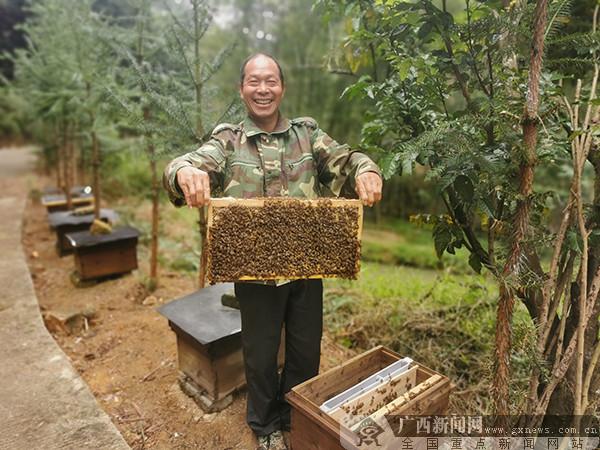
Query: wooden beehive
pixel 64 222
pixel 209 346
pixel 102 255
pixel 283 238
pixel 58 202
pixel 75 190
pixel 313 429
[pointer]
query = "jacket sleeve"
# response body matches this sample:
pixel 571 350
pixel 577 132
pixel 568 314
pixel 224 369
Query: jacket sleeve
pixel 210 157
pixel 338 165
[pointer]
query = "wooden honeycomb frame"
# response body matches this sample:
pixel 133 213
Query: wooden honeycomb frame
pixel 336 228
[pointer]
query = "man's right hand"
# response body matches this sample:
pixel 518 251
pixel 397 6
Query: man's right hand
pixel 195 185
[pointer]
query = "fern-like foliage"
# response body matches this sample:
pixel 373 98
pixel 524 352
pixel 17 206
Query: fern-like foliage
pixel 576 41
pixel 559 14
pixel 569 64
pixel 212 67
pixel 405 154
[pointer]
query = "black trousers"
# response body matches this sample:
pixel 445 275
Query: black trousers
pixel 264 310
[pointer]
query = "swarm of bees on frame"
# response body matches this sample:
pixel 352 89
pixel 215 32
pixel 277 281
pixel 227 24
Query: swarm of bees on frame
pixel 285 238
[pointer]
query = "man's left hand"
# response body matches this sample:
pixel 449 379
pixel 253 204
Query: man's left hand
pixel 368 188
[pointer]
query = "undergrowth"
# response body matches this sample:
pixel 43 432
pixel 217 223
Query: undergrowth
pixel 442 320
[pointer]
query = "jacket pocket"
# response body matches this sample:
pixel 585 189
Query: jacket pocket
pixel 244 179
pixel 302 177
pixel 241 163
pixel 304 158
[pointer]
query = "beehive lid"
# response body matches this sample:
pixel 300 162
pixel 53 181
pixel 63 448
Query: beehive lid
pixel 61 218
pixel 80 239
pixel 75 190
pixel 283 238
pixel 202 316
pixel 61 199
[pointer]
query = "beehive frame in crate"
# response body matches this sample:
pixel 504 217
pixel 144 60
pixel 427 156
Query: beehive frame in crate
pixel 417 391
pixel 283 238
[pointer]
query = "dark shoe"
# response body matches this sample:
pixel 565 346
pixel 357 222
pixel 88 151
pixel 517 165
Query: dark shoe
pixel 273 441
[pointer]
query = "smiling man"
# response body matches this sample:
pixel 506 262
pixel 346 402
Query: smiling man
pixel 269 155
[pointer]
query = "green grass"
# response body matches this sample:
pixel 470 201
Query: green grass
pixel 402 243
pixel 442 319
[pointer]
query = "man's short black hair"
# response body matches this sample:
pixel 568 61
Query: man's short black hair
pixel 251 57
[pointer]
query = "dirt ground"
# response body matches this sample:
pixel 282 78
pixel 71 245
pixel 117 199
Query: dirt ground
pixel 126 351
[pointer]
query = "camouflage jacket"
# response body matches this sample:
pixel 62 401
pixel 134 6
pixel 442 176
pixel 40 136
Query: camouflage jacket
pixel 296 159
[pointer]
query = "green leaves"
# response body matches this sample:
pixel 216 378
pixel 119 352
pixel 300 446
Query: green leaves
pixel 403 67
pixel 389 164
pixel 447 235
pixel 475 262
pixel 357 89
pixel 464 188
pixel 442 237
pixel 559 13
pixel 449 103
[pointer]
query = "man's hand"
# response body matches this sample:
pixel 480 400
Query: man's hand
pixel 195 185
pixel 368 188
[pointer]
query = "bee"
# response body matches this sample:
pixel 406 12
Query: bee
pixel 286 237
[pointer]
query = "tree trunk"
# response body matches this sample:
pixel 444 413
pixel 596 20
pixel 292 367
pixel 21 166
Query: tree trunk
pixel 593 329
pixel 521 221
pixel 68 159
pixel 80 163
pixel 59 151
pixel 155 219
pixel 151 151
pixel 199 133
pixel 95 156
pixel 562 400
pixel 96 174
pixel 74 156
pixel 83 167
pixel 203 248
pixel 502 351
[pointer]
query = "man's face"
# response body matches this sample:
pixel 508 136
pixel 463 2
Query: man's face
pixel 261 89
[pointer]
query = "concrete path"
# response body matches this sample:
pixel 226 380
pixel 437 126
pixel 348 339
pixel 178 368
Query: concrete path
pixel 44 403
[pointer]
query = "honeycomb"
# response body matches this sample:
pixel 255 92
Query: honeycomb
pixel 285 238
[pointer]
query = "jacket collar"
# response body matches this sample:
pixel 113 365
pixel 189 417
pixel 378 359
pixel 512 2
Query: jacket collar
pixel 251 129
